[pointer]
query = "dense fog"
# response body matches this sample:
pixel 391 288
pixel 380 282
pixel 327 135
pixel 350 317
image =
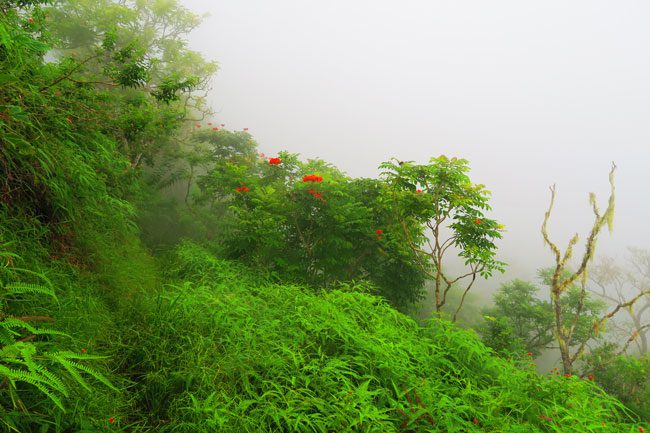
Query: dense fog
pixel 532 94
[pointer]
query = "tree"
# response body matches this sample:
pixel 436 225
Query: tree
pixel 613 282
pixel 137 50
pixel 521 322
pixel 308 222
pixel 561 280
pixel 518 322
pixel 440 198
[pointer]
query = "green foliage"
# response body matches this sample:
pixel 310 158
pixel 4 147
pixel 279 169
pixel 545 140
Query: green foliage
pixel 441 198
pixel 226 351
pixel 306 221
pixel 143 45
pixel 29 354
pixel 626 377
pixel 520 322
pixel 448 195
pixel 221 346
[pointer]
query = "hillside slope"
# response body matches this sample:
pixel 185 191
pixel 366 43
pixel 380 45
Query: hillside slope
pixel 228 352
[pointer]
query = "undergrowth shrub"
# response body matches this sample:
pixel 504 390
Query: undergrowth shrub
pixel 624 376
pixel 227 352
pixel 43 376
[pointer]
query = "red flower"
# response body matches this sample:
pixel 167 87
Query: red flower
pixel 223 124
pixel 210 123
pixel 57 93
pixel 242 188
pixel 275 161
pixel 567 374
pixel 198 125
pixel 83 350
pixel 475 421
pixel 641 429
pixel 215 129
pixel 111 420
pixel 590 377
pixel 379 233
pixel 31 20
pixel 477 221
pixel 419 191
pixel 530 353
pixel 312 178
pixel 245 129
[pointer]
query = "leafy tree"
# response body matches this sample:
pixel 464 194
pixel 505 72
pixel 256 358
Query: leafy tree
pixel 521 322
pixel 136 49
pixel 307 221
pixel 440 198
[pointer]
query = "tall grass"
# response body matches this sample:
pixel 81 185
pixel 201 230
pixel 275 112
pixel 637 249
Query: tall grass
pixel 224 351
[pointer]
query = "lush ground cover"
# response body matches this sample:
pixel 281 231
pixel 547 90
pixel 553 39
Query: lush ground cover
pixel 229 352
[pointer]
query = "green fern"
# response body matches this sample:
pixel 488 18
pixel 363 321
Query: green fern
pixel 40 381
pixel 65 359
pixel 21 360
pixel 12 289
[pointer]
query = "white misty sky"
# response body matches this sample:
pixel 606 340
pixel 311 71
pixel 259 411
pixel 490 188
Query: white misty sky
pixel 531 93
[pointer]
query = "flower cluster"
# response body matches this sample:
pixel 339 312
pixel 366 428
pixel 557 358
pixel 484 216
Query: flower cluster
pixel 242 188
pixel 379 233
pixel 274 161
pixel 312 178
pixel 315 193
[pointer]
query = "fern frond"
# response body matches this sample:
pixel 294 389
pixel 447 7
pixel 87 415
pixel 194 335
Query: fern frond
pixel 9 323
pixel 35 379
pixel 73 367
pixel 24 288
pixel 27 351
pixel 38 275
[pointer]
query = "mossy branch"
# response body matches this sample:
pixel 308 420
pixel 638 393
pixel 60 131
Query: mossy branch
pixel 560 282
